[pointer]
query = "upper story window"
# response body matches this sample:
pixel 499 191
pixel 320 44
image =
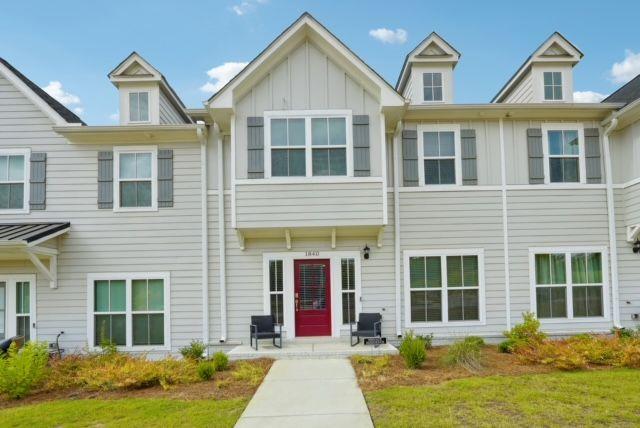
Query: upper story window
pixel 139 107
pixel 136 178
pixel 308 145
pixel 13 180
pixel 432 86
pixel 569 283
pixel 563 148
pixel 552 85
pixel 439 151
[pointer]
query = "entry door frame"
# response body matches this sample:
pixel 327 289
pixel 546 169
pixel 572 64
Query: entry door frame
pixel 10 301
pixel 335 257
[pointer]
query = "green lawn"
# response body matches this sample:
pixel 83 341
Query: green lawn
pixel 126 413
pixel 595 398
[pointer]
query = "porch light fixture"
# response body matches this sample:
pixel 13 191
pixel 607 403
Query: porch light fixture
pixel 636 246
pixel 365 251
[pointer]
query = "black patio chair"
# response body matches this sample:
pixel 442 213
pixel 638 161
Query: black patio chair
pixel 264 327
pixel 5 344
pixel 368 325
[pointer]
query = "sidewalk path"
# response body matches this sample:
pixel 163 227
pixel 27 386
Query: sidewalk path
pixel 308 393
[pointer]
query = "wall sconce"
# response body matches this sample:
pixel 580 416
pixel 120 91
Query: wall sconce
pixel 636 246
pixel 366 250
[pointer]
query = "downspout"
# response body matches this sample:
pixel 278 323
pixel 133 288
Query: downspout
pixel 202 136
pixel 613 241
pixel 222 243
pixel 396 228
pixel 505 226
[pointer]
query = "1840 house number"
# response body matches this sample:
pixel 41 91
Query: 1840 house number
pixel 311 253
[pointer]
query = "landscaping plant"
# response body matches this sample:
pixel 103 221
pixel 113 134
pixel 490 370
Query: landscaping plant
pixel 206 370
pixel 527 333
pixel 220 361
pixel 249 373
pixel 194 351
pixel 466 353
pixel 23 369
pixel 413 350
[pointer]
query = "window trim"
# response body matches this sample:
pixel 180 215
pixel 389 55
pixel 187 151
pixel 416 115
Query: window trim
pixel 308 147
pixel 479 252
pixel 453 127
pixel 567 251
pixel 11 325
pixel 136 91
pixel 128 278
pixel 117 151
pixel 582 164
pixel 26 152
pixel 434 101
pixel 562 88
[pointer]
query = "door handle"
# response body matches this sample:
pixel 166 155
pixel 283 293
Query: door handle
pixel 297 303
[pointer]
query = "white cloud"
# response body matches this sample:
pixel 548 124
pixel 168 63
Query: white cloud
pixel 627 69
pixel 588 97
pixel 114 117
pixel 221 75
pixel 78 110
pixel 55 89
pixel 385 35
pixel 247 6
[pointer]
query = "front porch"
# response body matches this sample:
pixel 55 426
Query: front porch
pixel 311 347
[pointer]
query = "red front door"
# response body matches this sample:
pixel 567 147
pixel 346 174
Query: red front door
pixel 312 297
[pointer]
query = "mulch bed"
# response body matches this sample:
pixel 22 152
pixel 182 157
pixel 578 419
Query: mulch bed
pixel 223 386
pixel 433 371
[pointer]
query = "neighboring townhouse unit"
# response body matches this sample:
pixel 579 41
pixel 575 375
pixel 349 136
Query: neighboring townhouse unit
pixel 311 189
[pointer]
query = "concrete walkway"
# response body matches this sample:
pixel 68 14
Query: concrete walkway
pixel 308 393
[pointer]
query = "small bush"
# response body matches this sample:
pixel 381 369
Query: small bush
pixel 413 350
pixel 362 359
pixel 630 356
pixel 507 346
pixel 428 340
pixel 195 350
pixel 248 372
pixel 220 361
pixel 526 333
pixel 206 370
pixel 466 353
pixel 22 370
pixel 108 347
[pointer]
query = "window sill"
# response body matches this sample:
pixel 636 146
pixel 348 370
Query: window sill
pixel 446 324
pixel 15 211
pixel 309 180
pixel 551 321
pixel 132 209
pixel 152 348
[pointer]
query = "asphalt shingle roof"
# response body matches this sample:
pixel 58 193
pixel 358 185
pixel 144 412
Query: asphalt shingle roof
pixel 628 93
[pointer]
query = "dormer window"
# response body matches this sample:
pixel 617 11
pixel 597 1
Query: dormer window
pixel 432 86
pixel 139 107
pixel 552 85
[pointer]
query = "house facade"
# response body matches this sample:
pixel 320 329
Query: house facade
pixel 310 188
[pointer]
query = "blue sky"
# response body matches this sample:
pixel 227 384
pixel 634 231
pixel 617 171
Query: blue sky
pixel 75 43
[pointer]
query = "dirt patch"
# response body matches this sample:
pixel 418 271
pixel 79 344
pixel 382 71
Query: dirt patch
pixel 372 377
pixel 223 386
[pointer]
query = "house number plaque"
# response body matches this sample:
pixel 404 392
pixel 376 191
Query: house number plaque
pixel 311 253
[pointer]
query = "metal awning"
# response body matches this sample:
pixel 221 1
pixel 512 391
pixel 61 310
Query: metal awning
pixel 31 233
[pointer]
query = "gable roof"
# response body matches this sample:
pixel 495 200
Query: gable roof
pixel 59 111
pixel 135 68
pixel 628 93
pixel 555 47
pixel 433 48
pixel 306 19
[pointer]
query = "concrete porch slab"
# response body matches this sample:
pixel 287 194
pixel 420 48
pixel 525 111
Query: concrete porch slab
pixel 309 348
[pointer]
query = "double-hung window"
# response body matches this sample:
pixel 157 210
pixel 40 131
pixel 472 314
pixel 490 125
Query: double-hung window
pixel 136 178
pixel 445 286
pixel 308 144
pixel 138 106
pixel 13 180
pixel 276 290
pixel 129 310
pixel 432 86
pixel 552 85
pixel 439 151
pixel 563 148
pixel 569 283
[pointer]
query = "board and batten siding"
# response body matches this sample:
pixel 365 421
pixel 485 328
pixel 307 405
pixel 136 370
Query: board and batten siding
pixel 307 79
pixel 101 241
pixel 552 218
pixel 458 220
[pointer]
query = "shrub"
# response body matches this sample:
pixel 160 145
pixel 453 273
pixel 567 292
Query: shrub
pixel 248 372
pixel 413 350
pixel 206 370
pixel 195 350
pixel 526 333
pixel 428 340
pixel 220 361
pixel 362 359
pixel 108 347
pixel 507 346
pixel 466 353
pixel 22 370
pixel 630 355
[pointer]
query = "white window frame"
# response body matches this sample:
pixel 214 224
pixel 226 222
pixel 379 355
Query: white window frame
pixel 348 291
pixel 11 325
pixel 288 258
pixel 567 251
pixel 26 181
pixel 138 92
pixel 433 86
pixel 443 254
pixel 455 128
pixel 128 278
pixel 582 165
pixel 117 151
pixel 307 115
pixel 275 293
pixel 562 88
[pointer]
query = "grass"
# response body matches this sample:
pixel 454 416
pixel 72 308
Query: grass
pixel 586 398
pixel 129 412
